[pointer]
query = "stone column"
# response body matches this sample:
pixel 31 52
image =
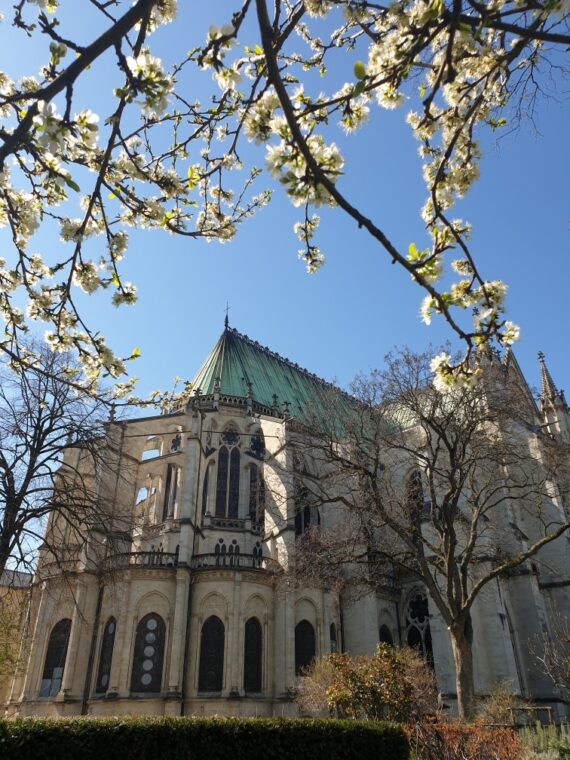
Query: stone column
pixel 235 681
pixel 35 648
pixel 77 623
pixel 179 634
pixel 122 644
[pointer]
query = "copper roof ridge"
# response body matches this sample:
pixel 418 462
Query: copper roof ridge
pixel 283 360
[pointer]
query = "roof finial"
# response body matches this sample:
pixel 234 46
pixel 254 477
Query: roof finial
pixel 226 320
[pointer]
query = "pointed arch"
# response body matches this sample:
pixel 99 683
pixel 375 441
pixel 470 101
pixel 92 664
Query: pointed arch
pixel 211 669
pixel 253 657
pixel 385 635
pixel 56 654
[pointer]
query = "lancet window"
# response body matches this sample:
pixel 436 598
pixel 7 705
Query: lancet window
pixel 385 635
pixel 253 657
pixel 55 658
pixel 106 656
pixel 211 672
pixel 227 483
pixel 148 655
pixel 305 645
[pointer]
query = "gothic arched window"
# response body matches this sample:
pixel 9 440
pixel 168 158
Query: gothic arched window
pixel 211 672
pixel 148 655
pixel 385 636
pixel 253 656
pixel 333 639
pixel 418 633
pixel 227 482
pixel 106 656
pixel 55 658
pixel 305 645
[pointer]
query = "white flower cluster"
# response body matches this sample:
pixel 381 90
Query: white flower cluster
pixel 286 163
pixel 152 81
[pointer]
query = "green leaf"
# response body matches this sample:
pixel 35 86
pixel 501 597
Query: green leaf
pixel 115 281
pixel 358 89
pixel 73 185
pixel 258 50
pixel 359 70
pixel 136 352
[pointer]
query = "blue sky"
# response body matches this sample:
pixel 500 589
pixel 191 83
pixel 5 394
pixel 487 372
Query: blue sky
pixel 343 319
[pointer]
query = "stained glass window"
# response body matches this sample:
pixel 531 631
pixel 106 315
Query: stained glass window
pixel 148 655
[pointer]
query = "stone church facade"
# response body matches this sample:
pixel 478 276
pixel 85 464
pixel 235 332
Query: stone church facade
pixel 187 613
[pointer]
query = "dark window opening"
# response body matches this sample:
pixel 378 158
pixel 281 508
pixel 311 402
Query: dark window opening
pixel 233 501
pixel 211 672
pixel 253 657
pixel 55 659
pixel 222 482
pixel 385 636
pixel 305 645
pixel 205 491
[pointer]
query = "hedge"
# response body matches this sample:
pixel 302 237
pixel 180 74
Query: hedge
pixel 200 739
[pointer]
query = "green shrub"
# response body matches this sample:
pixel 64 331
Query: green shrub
pixel 547 741
pixel 199 738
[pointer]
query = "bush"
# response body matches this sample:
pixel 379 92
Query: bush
pixel 501 706
pixel 199 738
pixel 455 741
pixel 546 742
pixel 392 684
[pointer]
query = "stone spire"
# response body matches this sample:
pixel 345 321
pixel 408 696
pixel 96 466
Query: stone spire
pixel 548 391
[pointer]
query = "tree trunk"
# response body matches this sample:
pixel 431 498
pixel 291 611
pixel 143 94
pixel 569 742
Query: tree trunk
pixel 462 646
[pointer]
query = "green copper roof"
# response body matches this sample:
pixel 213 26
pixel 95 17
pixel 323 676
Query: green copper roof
pixel 238 361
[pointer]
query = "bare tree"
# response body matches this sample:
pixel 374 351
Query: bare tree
pixel 552 652
pixel 50 441
pixel 452 488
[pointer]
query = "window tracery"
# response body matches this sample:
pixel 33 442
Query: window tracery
pixel 227 483
pixel 418 633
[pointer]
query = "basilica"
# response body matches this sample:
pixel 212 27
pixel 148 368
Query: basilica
pixel 186 611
